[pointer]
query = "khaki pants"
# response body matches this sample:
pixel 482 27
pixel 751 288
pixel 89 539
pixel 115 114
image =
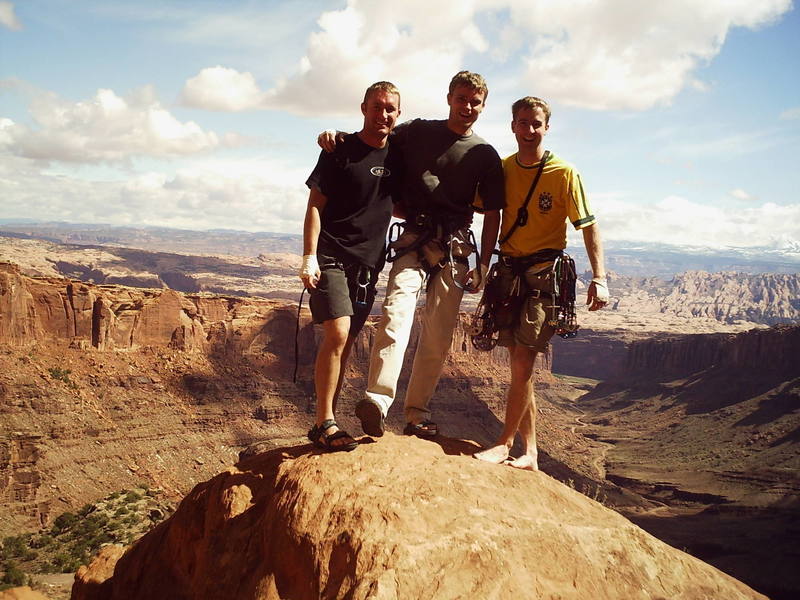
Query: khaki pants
pixel 439 318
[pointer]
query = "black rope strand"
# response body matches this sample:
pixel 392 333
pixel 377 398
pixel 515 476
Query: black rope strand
pixel 297 336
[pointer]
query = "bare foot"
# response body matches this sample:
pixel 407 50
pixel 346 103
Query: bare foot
pixel 495 454
pixel 525 462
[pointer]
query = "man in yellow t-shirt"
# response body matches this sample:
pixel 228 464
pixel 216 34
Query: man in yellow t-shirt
pixel 532 235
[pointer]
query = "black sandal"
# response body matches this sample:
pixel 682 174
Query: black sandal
pixel 425 429
pixel 317 435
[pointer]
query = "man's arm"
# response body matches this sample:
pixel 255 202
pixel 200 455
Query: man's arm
pixel 597 295
pixel 476 278
pixel 491 227
pixel 328 139
pixel 309 271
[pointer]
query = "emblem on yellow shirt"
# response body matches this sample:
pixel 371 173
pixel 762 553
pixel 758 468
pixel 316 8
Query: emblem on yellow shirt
pixel 545 202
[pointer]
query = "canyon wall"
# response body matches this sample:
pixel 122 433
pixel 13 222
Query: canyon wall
pixel 773 350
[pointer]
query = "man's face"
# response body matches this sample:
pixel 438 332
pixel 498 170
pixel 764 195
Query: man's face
pixel 380 112
pixel 529 128
pixel 466 104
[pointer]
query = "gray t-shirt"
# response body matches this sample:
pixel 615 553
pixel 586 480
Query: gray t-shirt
pixel 442 171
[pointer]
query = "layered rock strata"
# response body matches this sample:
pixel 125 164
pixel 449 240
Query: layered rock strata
pixel 773 350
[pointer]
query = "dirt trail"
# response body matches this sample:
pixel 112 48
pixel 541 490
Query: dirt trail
pixel 598 462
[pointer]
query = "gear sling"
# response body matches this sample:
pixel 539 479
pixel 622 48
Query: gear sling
pixel 499 308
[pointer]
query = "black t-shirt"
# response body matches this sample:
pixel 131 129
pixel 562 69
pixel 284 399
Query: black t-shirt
pixel 358 181
pixel 444 170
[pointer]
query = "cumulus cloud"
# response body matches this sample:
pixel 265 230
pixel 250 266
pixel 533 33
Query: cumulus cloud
pixel 219 88
pixel 254 195
pixel 678 221
pixel 8 17
pixel 105 128
pixel 608 54
pixel 623 54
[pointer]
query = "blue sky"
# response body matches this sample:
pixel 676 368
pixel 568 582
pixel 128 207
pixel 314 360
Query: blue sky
pixel 683 117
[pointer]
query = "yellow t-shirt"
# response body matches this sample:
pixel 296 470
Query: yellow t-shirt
pixel 558 197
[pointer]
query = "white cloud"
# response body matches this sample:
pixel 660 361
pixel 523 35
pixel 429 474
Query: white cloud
pixel 8 17
pixel 625 54
pixel 790 114
pixel 607 54
pixel 105 128
pixel 679 221
pixel 252 195
pixel 218 88
pixel 741 195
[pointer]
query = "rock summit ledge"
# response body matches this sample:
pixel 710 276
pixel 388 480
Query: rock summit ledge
pixel 400 518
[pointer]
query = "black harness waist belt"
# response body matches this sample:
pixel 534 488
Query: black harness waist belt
pixel 520 264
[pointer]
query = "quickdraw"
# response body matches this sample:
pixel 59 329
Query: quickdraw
pixel 484 327
pixel 564 318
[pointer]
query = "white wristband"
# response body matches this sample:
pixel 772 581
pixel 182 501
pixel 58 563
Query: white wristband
pixel 601 288
pixel 310 266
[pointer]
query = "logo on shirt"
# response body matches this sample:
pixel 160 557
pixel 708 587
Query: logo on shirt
pixel 380 171
pixel 545 202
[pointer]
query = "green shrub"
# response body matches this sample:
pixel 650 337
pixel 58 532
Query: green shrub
pixel 13 575
pixel 40 541
pixel 100 539
pixel 131 519
pixel 60 374
pixel 65 563
pixel 133 496
pixel 64 522
pixel 15 546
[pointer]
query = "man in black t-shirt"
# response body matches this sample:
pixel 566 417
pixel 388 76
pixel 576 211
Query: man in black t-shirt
pixel 349 208
pixel 444 165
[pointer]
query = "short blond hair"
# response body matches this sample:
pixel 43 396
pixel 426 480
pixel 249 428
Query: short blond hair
pixel 470 80
pixel 531 102
pixel 385 86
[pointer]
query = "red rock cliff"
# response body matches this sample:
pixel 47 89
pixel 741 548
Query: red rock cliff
pixel 773 350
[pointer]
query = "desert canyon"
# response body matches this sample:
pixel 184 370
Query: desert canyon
pixel 152 439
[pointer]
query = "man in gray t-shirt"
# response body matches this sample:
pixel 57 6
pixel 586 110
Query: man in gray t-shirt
pixel 444 165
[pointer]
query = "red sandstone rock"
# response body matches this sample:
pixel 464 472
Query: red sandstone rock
pixel 94 581
pixel 401 518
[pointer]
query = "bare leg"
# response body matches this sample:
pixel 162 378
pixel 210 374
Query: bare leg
pixel 519 407
pixel 529 460
pixel 329 369
pixel 348 346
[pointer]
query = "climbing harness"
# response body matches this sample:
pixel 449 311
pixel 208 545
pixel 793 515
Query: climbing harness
pixel 500 308
pixel 443 237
